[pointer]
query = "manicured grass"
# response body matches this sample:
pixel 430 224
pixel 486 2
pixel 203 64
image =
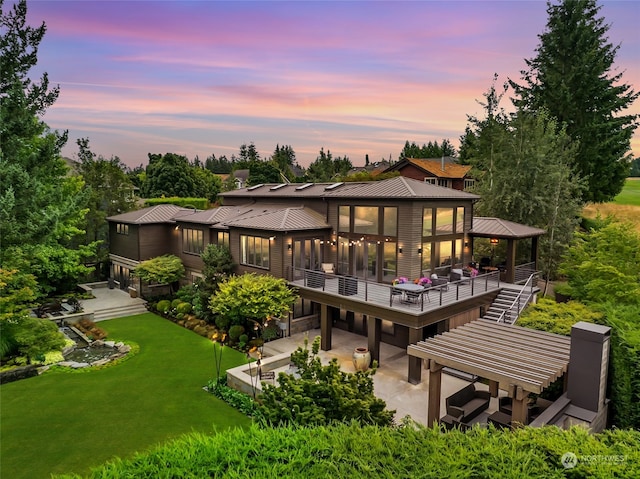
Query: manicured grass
pixel 63 422
pixel 630 194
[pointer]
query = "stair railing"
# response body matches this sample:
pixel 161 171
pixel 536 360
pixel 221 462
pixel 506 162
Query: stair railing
pixel 507 316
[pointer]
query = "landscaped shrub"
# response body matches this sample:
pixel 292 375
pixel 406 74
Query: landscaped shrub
pixel 184 308
pixel 175 303
pixel 198 203
pixel 36 337
pixel 234 398
pixel 624 355
pixel 235 332
pixel 353 451
pixel 164 305
pixel 558 318
pixel 624 364
pixel 322 394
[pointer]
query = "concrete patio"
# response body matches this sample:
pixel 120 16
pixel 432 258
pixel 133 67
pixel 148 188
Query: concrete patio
pixel 390 380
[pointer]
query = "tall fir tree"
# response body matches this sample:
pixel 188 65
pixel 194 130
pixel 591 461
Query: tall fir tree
pixel 571 77
pixel 42 207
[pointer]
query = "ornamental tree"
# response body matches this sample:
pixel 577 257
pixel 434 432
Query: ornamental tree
pixel 322 394
pixel 165 269
pixel 251 297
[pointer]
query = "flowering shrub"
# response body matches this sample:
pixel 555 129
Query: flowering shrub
pixel 400 280
pixel 471 271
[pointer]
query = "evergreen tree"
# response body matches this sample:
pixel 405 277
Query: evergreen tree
pixel 571 78
pixel 42 208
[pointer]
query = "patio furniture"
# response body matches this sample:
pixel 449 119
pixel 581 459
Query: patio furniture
pixel 500 419
pixel 412 292
pixel 450 421
pixel 458 275
pixel 395 292
pixel 438 281
pixel 327 268
pixel 469 401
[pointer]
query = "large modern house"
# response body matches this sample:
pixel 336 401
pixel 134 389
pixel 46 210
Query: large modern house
pixel 393 260
pixel 343 245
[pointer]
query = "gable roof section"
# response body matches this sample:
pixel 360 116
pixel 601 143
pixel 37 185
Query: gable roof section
pixel 152 214
pixel 499 228
pixel 434 167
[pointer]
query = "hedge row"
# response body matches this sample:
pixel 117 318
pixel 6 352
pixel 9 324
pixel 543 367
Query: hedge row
pixel 198 203
pixel 411 451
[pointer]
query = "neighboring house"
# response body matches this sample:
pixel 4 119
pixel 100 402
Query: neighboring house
pixel 241 177
pixel 366 233
pixel 442 172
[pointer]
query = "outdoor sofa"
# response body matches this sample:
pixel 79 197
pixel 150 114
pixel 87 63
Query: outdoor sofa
pixel 469 401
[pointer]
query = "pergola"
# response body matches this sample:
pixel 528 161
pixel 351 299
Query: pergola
pixel 518 360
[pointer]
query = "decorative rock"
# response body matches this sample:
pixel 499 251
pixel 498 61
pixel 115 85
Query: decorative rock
pixel 110 344
pixel 73 364
pixel 125 348
pixel 119 344
pixel 98 343
pixel 100 362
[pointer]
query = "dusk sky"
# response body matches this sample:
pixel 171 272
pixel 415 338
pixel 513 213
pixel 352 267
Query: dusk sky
pixel 204 77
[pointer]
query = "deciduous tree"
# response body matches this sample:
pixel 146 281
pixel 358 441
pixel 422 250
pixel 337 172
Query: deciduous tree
pixel 166 269
pixel 251 297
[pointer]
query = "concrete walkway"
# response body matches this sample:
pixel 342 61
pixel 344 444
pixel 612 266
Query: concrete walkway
pixel 111 303
pixel 390 380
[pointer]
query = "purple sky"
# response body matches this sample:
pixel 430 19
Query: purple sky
pixel 356 78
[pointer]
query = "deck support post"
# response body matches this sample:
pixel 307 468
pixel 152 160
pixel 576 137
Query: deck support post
pixel 374 332
pixel 325 328
pixel 415 363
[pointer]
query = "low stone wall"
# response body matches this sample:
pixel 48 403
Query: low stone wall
pixel 240 378
pixel 22 372
pixel 300 325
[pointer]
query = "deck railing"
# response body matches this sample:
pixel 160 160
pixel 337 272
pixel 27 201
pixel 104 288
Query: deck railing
pixel 385 294
pixel 512 313
pixel 522 272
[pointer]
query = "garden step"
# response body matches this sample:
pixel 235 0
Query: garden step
pixel 119 311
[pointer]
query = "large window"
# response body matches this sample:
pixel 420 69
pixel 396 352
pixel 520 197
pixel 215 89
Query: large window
pixel 444 221
pixel 192 241
pixel 426 257
pixel 344 216
pixel 427 222
pixel 459 219
pixel 366 220
pixel 254 251
pixel 223 238
pixel 390 221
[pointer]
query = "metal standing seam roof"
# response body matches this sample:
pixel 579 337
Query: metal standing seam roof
pixel 393 188
pixel 511 355
pixel 496 227
pixel 282 219
pixel 165 213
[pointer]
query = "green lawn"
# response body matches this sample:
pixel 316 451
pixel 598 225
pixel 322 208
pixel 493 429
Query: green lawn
pixel 68 422
pixel 630 194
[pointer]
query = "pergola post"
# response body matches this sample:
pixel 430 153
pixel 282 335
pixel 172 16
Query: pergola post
pixel 493 388
pixel 435 390
pixel 519 406
pixel 325 328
